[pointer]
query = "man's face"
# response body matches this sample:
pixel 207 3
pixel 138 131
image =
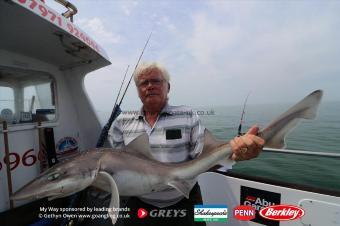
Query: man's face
pixel 152 88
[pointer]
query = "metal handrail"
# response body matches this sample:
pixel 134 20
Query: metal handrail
pixel 301 152
pixel 71 9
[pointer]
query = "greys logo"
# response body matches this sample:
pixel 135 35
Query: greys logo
pixel 168 213
pixel 142 213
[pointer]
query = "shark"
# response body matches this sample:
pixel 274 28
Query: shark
pixel 132 171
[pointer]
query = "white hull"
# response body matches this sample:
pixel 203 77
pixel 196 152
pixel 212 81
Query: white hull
pixel 31 44
pixel 320 209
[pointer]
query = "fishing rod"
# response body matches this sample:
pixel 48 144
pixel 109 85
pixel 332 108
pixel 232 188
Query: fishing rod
pixel 239 133
pixel 114 114
pixel 121 85
pixel 103 135
pixel 140 57
pixel 116 108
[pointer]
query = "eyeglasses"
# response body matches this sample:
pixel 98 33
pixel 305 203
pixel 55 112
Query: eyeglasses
pixel 154 82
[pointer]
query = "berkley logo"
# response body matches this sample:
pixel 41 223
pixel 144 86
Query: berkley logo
pixel 244 213
pixel 282 212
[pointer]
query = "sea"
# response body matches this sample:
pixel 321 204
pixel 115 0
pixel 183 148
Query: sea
pixel 321 135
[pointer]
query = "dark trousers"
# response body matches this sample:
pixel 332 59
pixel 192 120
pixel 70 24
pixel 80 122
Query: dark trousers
pixel 167 214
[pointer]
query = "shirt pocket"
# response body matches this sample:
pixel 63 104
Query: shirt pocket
pixel 176 136
pixel 173 134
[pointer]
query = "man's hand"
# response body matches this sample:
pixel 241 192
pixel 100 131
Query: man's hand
pixel 247 146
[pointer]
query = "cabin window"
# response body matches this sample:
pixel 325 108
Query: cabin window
pixel 26 96
pixel 7 98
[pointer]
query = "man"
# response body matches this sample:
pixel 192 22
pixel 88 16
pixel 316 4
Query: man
pixel 175 135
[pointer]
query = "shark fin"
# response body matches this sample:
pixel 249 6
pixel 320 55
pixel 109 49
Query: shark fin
pixel 114 203
pixel 141 146
pixel 183 187
pixel 210 142
pixel 274 134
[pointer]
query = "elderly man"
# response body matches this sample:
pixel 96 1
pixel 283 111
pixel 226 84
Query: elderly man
pixel 175 135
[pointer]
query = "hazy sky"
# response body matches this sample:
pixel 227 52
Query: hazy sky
pixel 217 51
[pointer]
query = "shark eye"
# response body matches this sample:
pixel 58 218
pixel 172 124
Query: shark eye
pixel 53 176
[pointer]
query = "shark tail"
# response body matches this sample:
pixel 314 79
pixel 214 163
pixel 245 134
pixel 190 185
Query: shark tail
pixel 274 134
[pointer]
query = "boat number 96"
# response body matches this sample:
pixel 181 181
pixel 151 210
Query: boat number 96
pixel 27 159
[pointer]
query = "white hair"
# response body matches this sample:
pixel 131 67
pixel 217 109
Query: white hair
pixel 146 67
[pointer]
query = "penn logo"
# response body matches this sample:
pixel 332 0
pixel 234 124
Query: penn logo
pixel 282 212
pixel 244 213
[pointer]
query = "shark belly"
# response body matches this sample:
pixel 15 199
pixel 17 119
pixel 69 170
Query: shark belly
pixel 130 183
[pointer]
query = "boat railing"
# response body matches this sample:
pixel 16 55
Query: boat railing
pixel 278 181
pixel 71 9
pixel 302 152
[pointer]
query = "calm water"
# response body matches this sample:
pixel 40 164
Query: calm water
pixel 322 135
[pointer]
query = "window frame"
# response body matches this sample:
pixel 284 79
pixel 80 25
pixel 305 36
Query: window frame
pixel 53 90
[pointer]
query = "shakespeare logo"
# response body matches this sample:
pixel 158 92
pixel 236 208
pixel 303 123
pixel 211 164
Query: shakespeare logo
pixel 211 213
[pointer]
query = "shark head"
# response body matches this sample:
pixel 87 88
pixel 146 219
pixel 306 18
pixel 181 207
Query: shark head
pixel 59 181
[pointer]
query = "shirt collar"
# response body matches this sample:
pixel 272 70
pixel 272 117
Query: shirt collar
pixel 167 110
